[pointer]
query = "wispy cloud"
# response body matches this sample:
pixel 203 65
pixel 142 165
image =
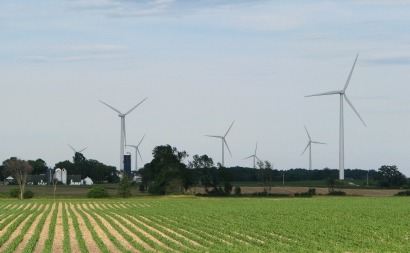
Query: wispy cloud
pixel 72 53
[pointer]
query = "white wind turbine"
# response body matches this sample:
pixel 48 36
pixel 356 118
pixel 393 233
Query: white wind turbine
pixel 342 94
pixel 137 152
pixel 309 145
pixel 254 157
pixel 75 151
pixel 224 143
pixel 122 133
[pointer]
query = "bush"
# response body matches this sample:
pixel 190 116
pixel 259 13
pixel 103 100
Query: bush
pixel 28 194
pixel 98 192
pixel 237 190
pixel 124 189
pixel 309 193
pixel 403 193
pixel 141 187
pixel 14 193
pixel 337 193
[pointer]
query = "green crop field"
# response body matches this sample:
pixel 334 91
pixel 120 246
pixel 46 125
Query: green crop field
pixel 192 224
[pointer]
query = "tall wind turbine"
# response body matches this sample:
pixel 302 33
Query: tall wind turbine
pixel 75 151
pixel 309 145
pixel 122 132
pixel 254 157
pixel 342 94
pixel 224 143
pixel 137 152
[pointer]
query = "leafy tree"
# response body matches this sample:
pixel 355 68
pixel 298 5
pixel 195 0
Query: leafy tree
pixel 265 174
pixel 390 176
pixel 200 162
pixel 20 170
pixel 166 173
pixel 39 166
pixel 125 184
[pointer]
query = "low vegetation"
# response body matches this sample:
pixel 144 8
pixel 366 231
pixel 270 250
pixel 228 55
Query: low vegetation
pixel 190 224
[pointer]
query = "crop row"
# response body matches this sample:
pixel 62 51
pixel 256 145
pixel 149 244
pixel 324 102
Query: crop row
pixel 206 225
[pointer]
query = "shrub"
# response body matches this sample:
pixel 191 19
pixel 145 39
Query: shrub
pixel 237 190
pixel 337 193
pixel 309 193
pixel 98 192
pixel 28 194
pixel 124 189
pixel 141 187
pixel 14 193
pixel 403 193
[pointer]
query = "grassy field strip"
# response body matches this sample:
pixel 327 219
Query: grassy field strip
pixel 171 232
pixel 66 230
pixel 149 241
pixel 77 230
pixel 17 235
pixel 206 225
pixel 58 238
pixel 91 245
pixel 122 246
pixel 43 231
pixel 175 226
pixel 74 247
pixel 175 244
pixel 31 237
pixel 102 241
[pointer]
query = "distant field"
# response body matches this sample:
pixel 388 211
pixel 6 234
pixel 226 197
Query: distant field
pixel 193 224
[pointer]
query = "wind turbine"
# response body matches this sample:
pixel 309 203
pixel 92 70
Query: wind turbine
pixel 137 152
pixel 224 143
pixel 122 133
pixel 342 94
pixel 75 151
pixel 309 145
pixel 254 157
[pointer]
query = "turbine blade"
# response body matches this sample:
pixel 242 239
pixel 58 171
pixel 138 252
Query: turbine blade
pixel 138 151
pixel 351 105
pixel 111 107
pixel 141 140
pixel 248 157
pixel 258 159
pixel 131 146
pixel 72 148
pixel 135 106
pixel 256 147
pixel 229 129
pixel 82 150
pixel 216 136
pixel 325 93
pixel 308 134
pixel 316 142
pixel 226 144
pixel 305 149
pixel 351 72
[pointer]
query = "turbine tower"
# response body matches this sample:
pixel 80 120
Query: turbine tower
pixel 75 151
pixel 254 157
pixel 122 130
pixel 309 145
pixel 224 143
pixel 342 94
pixel 137 152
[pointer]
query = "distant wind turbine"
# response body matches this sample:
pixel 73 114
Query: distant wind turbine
pixel 342 94
pixel 254 157
pixel 224 143
pixel 137 152
pixel 309 145
pixel 122 133
pixel 75 151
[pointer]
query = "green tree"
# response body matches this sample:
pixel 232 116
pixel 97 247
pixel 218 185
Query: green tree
pixel 19 170
pixel 124 189
pixel 390 176
pixel 166 173
pixel 39 166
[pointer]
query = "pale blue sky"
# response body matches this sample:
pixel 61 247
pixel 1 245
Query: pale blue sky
pixel 204 64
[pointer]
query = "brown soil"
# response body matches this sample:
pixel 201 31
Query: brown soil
pixel 16 232
pixel 44 231
pixel 73 241
pixel 29 234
